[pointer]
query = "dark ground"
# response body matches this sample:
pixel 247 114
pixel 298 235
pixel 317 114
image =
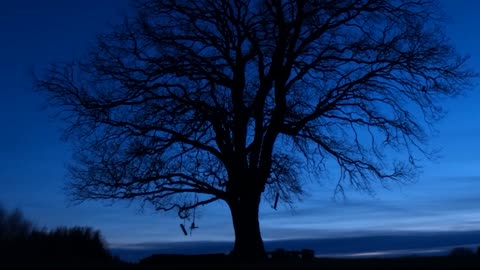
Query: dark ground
pixel 331 264
pixel 216 261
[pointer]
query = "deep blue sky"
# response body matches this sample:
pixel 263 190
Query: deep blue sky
pixel 32 157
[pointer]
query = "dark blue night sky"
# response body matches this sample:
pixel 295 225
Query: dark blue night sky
pixel 445 199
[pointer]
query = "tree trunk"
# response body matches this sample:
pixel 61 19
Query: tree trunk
pixel 248 239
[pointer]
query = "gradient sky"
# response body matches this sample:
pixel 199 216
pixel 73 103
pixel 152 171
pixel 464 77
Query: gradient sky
pixel 35 33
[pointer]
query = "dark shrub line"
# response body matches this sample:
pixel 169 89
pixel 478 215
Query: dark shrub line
pixel 23 244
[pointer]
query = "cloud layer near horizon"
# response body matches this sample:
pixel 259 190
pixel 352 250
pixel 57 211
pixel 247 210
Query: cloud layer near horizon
pixel 379 244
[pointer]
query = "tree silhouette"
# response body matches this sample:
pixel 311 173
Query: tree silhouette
pixel 191 102
pixel 13 225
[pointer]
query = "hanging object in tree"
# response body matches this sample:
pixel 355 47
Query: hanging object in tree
pixel 276 201
pixel 183 229
pixel 193 226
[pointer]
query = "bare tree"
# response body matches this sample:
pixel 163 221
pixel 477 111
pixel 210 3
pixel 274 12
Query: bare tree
pixel 191 102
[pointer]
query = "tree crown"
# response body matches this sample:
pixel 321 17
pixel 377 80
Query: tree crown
pixel 190 102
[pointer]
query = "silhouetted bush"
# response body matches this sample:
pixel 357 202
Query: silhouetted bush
pixel 307 254
pixel 278 254
pixel 68 245
pixel 284 255
pixel 22 244
pixel 462 252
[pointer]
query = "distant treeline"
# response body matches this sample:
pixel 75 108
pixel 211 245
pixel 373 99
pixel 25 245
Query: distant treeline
pixel 21 243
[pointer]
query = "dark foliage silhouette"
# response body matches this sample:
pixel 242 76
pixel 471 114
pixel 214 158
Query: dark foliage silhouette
pixel 13 225
pixel 462 252
pixel 192 102
pixel 23 245
pixel 284 255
